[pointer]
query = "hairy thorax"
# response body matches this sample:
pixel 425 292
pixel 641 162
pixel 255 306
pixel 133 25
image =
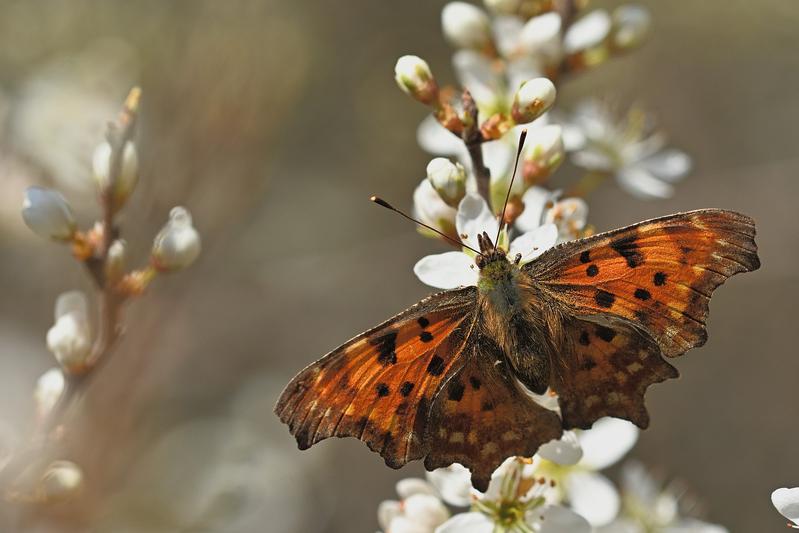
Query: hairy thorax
pixel 513 317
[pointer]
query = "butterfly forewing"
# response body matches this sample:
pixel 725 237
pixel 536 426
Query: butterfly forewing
pixel 379 387
pixel 658 274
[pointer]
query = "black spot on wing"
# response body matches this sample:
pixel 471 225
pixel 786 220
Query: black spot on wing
pixel 382 389
pixel 585 257
pixel 605 333
pixel 584 339
pixel 659 279
pixel 436 366
pixel 423 322
pixel 642 294
pixel 425 336
pixel 587 363
pixel 627 247
pixel 487 406
pixel 455 392
pixel 386 344
pixel 592 271
pixel 475 383
pixel 604 298
pixel 406 388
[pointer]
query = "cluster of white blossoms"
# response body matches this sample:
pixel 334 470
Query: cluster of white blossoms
pixel 509 58
pixel 72 339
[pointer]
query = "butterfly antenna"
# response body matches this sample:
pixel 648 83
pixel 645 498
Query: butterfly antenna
pixel 379 201
pixel 522 137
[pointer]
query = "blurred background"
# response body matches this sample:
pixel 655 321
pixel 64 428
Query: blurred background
pixel 273 122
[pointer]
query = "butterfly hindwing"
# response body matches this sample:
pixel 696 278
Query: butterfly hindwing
pixel 481 416
pixel 604 369
pixel 379 387
pixel 658 274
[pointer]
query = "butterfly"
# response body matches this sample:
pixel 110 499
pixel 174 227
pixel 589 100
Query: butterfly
pixel 592 320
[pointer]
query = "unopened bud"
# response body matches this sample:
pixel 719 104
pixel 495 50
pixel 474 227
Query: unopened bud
pixel 532 100
pixel 414 77
pixel 544 154
pixel 466 25
pixel 116 261
pixel 540 37
pixel 177 245
pixel 125 180
pixel 48 214
pixel 448 179
pixel 49 388
pixel 631 24
pixel 70 338
pixel 61 481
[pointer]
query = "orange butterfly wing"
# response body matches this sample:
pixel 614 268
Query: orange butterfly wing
pixel 483 417
pixel 379 387
pixel 658 274
pixel 605 370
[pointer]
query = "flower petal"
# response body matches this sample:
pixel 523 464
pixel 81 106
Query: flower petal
pixel 535 201
pixel 387 511
pixel 449 270
pixel 476 74
pixel 467 523
pixel 787 503
pixel 563 451
pixel 473 218
pixel 436 139
pixel 534 243
pixel 587 32
pixel 425 510
pixel 453 484
pixel 639 182
pixel 607 442
pixel 413 485
pixel 593 496
pixel 558 519
pixel 669 165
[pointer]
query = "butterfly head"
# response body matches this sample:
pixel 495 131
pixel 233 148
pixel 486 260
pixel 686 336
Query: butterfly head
pixel 489 252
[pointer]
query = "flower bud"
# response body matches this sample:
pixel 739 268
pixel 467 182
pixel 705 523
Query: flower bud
pixel 588 32
pixel 48 214
pixel 117 260
pixel 532 100
pixel 177 245
pixel 49 388
pixel 70 339
pixel 631 24
pixel 544 154
pixel 448 179
pixel 540 37
pixel 61 481
pixel 428 207
pixel 414 77
pixel 466 25
pixel 124 182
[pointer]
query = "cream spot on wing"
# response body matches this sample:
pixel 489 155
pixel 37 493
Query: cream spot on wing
pixel 442 433
pixel 472 437
pixel 634 367
pixel 591 400
pixel 489 448
pixel 456 437
pixel 510 435
pixel 621 377
pixel 613 398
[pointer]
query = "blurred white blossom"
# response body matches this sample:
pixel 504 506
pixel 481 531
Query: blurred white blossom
pixel 466 25
pixel 431 209
pixel 454 269
pixel 48 214
pixel 542 206
pixel 126 179
pixel 70 337
pixel 49 388
pixel 786 501
pixel 629 150
pixel 177 245
pixel 61 481
pixel 631 24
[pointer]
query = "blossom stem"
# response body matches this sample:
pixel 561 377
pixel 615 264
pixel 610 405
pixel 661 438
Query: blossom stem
pixel 473 139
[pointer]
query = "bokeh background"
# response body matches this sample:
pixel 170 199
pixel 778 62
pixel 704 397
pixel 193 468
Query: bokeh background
pixel 273 122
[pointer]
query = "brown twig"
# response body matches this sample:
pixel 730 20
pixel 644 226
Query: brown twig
pixel 473 139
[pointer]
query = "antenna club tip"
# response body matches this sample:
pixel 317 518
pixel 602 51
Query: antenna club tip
pixel 380 201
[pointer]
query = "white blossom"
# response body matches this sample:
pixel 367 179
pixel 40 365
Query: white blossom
pixel 541 206
pixel 786 501
pixel 454 269
pixel 543 153
pixel 48 214
pixel 177 245
pixel 587 32
pixel 631 25
pixel 629 150
pixel 466 25
pixel 126 178
pixel 418 511
pixel 70 338
pixel 431 209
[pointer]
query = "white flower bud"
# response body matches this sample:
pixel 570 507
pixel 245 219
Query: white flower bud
pixel 70 337
pixel 466 25
pixel 49 388
pixel 61 481
pixel 532 100
pixel 425 510
pixel 428 207
pixel 48 214
pixel 177 245
pixel 448 179
pixel 544 154
pixel 414 77
pixel 587 32
pixel 541 37
pixel 631 24
pixel 125 181
pixel 117 260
